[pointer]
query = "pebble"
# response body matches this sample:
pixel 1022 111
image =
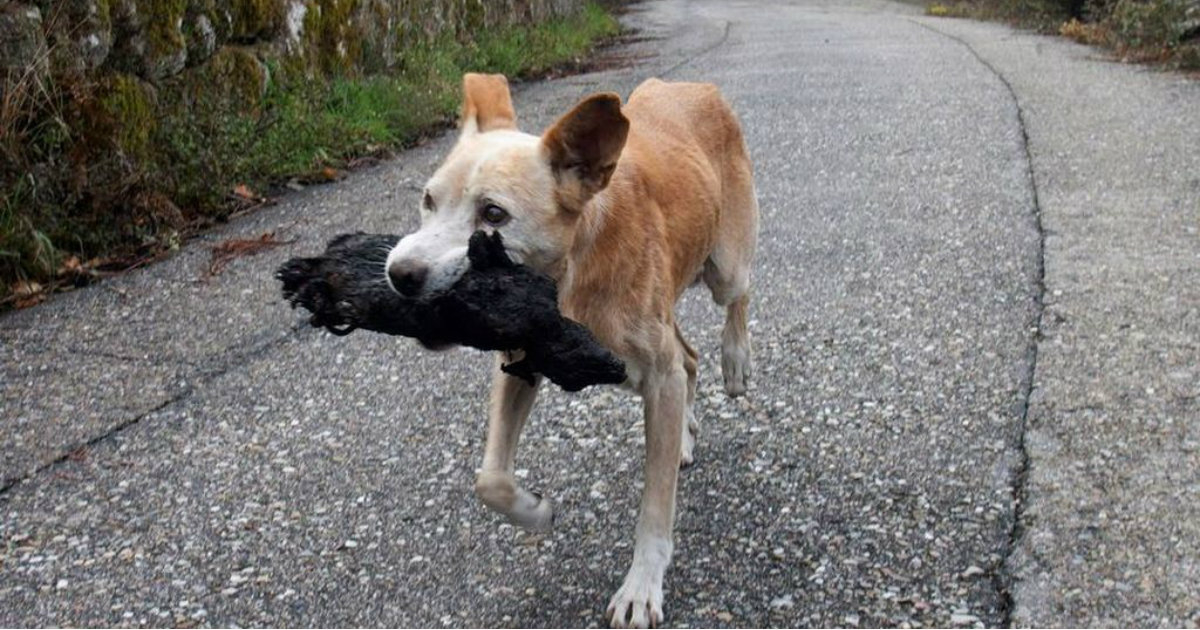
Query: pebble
pixel 781 603
pixel 972 571
pixel 963 619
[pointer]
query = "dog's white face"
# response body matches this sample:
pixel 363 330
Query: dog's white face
pixel 531 189
pixel 498 180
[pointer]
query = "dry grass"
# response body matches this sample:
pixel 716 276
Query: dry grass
pixel 1089 33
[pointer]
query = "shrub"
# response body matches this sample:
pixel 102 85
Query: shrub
pixel 1149 24
pixel 1143 30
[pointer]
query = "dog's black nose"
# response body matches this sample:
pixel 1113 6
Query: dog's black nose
pixel 408 276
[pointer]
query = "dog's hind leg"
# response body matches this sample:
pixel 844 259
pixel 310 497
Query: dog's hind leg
pixel 512 399
pixel 727 274
pixel 735 347
pixel 691 426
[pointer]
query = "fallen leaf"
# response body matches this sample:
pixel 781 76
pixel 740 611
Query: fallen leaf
pixel 26 288
pixel 71 266
pixel 26 293
pixel 243 191
pixel 226 251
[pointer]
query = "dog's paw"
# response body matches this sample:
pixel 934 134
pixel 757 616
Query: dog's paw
pixel 735 368
pixel 534 516
pixel 691 431
pixel 735 359
pixel 638 603
pixel 523 508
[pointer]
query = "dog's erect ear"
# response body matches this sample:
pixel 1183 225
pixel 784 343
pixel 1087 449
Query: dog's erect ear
pixel 583 146
pixel 487 105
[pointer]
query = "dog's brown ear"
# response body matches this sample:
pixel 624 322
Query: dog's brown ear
pixel 584 145
pixel 487 104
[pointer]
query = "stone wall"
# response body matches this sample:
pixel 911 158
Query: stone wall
pixel 155 40
pixel 125 123
pixel 118 66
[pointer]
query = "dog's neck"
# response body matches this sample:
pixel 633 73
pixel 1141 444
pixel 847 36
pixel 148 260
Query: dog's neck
pixel 608 260
pixel 586 244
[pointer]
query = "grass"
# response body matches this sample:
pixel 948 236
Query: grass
pixel 144 186
pixel 1157 31
pixel 26 253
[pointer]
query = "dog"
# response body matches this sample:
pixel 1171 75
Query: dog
pixel 625 206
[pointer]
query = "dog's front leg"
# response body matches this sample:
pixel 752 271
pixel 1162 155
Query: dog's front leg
pixel 639 602
pixel 512 398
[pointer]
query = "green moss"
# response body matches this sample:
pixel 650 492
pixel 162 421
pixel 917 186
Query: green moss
pixel 474 18
pixel 312 24
pixel 163 19
pixel 235 75
pixel 129 106
pixel 335 45
pixel 104 13
pixel 256 19
pixel 378 52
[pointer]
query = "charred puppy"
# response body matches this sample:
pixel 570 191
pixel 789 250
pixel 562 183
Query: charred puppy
pixel 495 305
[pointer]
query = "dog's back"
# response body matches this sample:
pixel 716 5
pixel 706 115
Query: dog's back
pixel 680 206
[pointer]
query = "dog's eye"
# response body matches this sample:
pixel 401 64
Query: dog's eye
pixel 494 215
pixel 427 202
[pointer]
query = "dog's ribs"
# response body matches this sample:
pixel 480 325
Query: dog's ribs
pixel 496 305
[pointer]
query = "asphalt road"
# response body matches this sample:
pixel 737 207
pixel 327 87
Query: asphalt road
pixel 976 323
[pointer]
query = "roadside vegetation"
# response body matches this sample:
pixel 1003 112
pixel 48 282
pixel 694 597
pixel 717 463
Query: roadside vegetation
pixel 1166 32
pixel 98 176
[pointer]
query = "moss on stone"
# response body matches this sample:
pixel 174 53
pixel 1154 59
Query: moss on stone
pixel 101 17
pixel 163 19
pixel 130 106
pixel 165 49
pixel 205 29
pixel 234 75
pixel 256 19
pixel 474 19
pixel 335 43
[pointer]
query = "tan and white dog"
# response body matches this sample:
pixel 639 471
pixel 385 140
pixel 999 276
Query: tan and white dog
pixel 625 207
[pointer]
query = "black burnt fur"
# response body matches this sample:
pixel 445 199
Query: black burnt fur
pixel 496 305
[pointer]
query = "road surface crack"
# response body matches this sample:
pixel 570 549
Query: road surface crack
pixel 704 51
pixel 72 452
pixel 1003 577
pixel 227 364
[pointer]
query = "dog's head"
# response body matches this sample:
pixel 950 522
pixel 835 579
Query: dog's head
pixel 531 189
